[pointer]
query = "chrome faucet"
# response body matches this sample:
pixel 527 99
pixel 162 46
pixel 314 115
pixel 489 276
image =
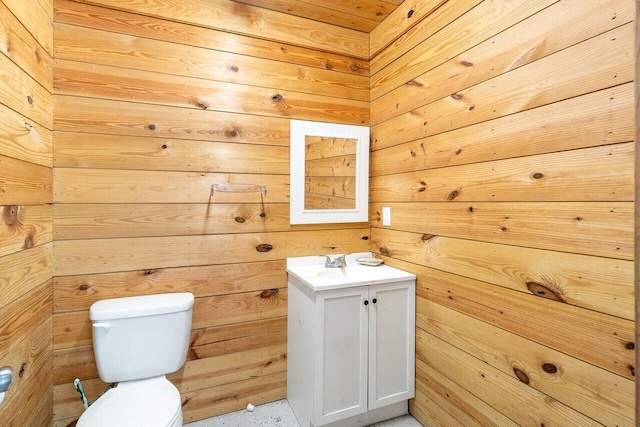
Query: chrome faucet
pixel 339 261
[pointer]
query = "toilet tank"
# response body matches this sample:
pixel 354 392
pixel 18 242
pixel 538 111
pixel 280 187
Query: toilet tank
pixel 141 337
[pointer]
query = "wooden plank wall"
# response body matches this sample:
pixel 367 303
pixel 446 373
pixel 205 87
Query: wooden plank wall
pixel 26 160
pixel 153 106
pixel 503 141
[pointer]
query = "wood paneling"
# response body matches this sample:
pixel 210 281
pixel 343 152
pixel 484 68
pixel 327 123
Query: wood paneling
pixel 517 46
pixel 25 95
pixel 596 228
pixel 598 118
pixel 150 112
pixel 519 402
pixel 19 45
pixel 24 183
pixel 412 59
pixel 493 127
pixel 24 271
pixel 79 185
pixel 595 283
pixel 23 227
pixel 90 16
pixel 84 44
pixel 606 60
pixel 36 17
pixel 73 293
pixel 234 17
pixel 26 220
pixel 437 393
pixel 595 392
pixel 400 33
pixel 115 220
pixel 135 119
pixel 77 78
pixel 111 255
pixel 361 15
pixel 594 174
pixel 86 150
pixel 402 20
pixel 21 138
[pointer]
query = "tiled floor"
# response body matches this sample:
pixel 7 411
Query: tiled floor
pixel 279 414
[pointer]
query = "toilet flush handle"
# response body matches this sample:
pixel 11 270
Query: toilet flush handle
pixel 102 325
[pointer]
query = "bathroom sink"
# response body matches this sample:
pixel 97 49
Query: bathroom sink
pixel 312 272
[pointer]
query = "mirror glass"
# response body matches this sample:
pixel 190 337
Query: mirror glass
pixel 329 172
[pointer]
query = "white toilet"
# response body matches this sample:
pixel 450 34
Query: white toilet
pixel 136 342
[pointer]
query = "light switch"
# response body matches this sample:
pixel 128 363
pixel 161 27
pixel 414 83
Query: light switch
pixel 386 216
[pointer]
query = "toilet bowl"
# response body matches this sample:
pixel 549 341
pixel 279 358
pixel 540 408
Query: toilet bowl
pixel 136 342
pixel 149 402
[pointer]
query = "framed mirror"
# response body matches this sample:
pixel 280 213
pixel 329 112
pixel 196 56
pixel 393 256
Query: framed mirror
pixel 329 173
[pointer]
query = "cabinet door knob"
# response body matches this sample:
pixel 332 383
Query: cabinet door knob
pixel 366 302
pixel 375 300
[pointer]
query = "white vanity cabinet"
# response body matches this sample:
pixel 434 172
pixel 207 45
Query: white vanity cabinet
pixel 351 352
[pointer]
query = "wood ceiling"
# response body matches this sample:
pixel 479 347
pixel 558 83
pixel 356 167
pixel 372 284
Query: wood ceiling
pixel 360 15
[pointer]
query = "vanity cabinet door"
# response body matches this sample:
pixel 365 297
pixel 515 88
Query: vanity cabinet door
pixel 391 343
pixel 341 354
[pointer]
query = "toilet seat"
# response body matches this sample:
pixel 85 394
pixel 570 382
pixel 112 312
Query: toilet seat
pixel 152 402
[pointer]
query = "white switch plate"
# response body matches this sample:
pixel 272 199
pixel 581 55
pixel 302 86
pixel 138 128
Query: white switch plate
pixel 386 216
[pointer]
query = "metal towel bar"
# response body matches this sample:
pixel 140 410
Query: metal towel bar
pixel 228 187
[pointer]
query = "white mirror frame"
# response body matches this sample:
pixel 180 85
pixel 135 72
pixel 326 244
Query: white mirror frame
pixel 298 214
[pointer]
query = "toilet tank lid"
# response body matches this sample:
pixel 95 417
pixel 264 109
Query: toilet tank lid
pixel 146 305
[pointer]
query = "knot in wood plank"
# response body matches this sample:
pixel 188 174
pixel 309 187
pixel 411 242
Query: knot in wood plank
pixel 544 291
pixel 10 214
pixel 549 368
pixel 268 293
pixel 264 247
pixel 28 242
pixel 521 375
pixel 414 83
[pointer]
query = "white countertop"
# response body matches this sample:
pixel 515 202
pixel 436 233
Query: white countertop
pixel 312 272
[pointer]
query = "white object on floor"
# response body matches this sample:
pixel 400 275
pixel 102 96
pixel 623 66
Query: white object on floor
pixel 250 407
pixel 279 414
